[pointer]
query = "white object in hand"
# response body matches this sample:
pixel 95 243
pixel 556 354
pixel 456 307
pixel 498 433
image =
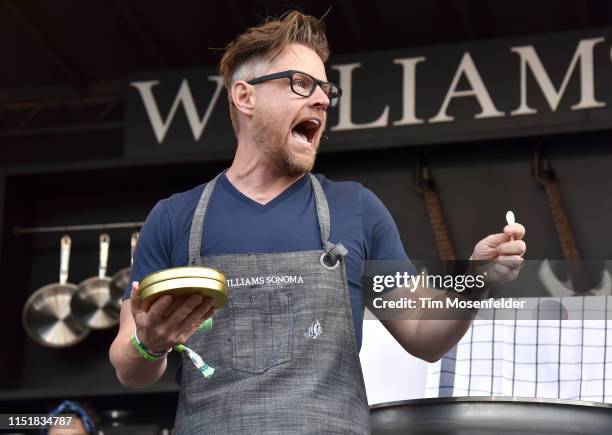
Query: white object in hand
pixel 510 219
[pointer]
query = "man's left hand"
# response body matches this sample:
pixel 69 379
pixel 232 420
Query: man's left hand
pixel 501 255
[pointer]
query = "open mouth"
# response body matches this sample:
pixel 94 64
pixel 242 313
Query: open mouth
pixel 306 130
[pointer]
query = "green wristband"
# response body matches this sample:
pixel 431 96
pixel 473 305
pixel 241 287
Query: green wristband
pixel 143 351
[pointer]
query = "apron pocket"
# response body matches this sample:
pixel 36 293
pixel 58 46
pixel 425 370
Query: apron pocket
pixel 262 331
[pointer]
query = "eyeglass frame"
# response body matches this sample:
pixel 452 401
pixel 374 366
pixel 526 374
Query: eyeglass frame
pixel 289 75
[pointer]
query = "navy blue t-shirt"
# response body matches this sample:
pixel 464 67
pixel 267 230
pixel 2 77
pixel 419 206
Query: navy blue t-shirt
pixel 234 223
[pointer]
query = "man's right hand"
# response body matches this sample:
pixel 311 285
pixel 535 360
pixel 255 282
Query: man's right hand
pixel 169 320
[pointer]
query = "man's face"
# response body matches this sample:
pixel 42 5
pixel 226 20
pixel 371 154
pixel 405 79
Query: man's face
pixel 286 126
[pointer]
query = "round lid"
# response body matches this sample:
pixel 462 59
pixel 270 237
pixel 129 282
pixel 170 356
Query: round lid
pixel 181 272
pixel 206 287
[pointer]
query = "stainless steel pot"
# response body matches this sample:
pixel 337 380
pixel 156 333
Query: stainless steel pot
pixel 47 317
pixel 121 279
pixel 490 415
pixel 92 302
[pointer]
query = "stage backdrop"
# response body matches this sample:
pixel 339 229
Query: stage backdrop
pixel 487 89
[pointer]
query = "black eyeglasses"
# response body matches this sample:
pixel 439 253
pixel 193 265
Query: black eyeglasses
pixel 303 84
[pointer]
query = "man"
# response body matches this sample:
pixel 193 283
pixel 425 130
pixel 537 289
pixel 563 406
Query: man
pixel 286 355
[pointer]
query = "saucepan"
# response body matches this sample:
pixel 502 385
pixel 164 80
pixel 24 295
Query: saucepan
pixel 121 279
pixel 92 302
pixel 47 317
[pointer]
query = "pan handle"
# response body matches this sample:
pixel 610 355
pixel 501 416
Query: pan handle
pixel 65 243
pixel 104 246
pixel 133 242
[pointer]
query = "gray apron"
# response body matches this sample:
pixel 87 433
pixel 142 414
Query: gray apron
pixel 283 347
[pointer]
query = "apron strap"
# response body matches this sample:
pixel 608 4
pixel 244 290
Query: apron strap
pixel 332 252
pixel 197 223
pixel 322 210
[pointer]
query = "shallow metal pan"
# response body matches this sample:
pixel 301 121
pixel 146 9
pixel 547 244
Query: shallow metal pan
pixel 47 316
pixel 488 415
pixel 92 302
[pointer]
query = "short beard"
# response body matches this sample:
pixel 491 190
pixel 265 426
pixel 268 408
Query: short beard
pixel 274 144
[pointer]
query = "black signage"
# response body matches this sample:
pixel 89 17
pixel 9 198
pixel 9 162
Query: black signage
pixel 487 89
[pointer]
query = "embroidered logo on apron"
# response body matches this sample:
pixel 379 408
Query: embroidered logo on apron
pixel 314 330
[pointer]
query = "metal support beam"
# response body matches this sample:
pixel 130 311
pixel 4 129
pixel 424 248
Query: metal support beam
pixel 51 52
pixel 18 106
pixel 31 114
pixel 61 93
pixel 79 128
pixel 88 111
pixel 108 110
pixel 73 228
